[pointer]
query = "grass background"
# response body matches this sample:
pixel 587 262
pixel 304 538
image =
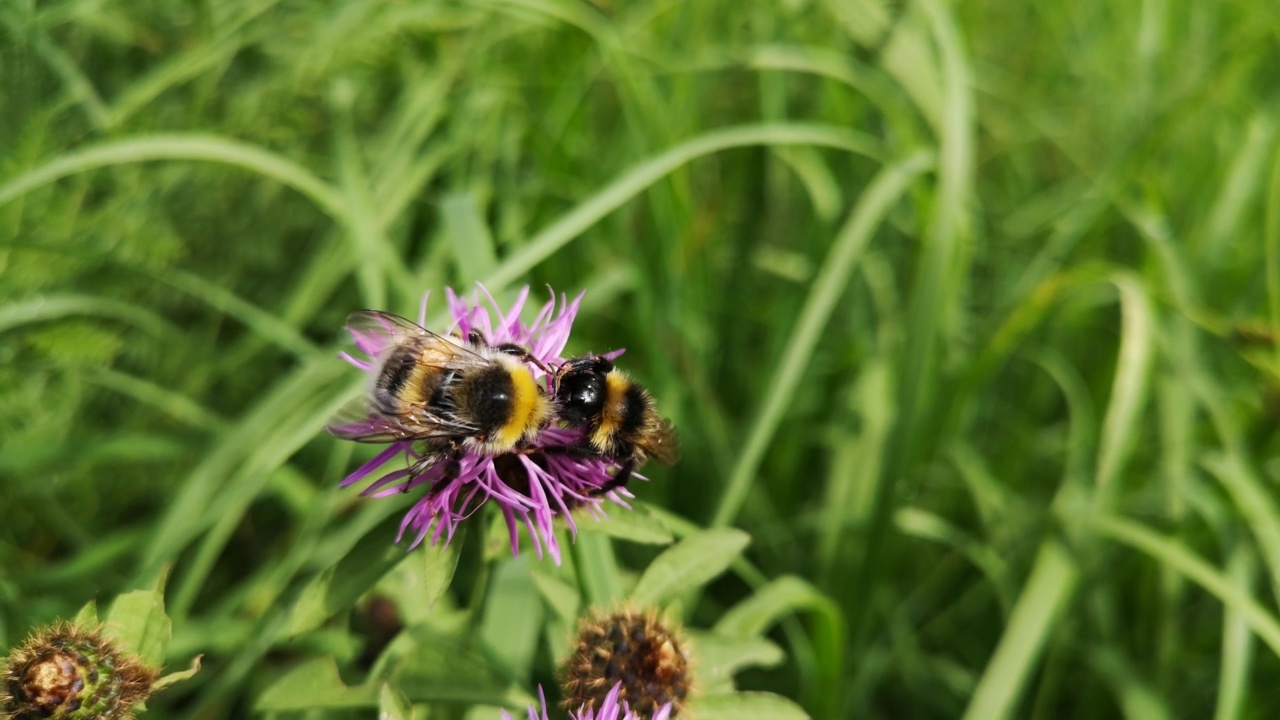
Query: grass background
pixel 965 313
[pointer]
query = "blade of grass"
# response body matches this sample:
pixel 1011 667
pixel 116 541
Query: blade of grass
pixel 852 240
pixel 1251 495
pixel 187 514
pixel 1128 392
pixel 176 405
pixel 634 181
pixel 56 307
pixel 1044 598
pixel 1237 642
pixel 1177 556
pixel 272 449
pixel 468 235
pixel 208 148
pixel 264 324
pixel 1271 243
pixel 76 84
pixel 370 253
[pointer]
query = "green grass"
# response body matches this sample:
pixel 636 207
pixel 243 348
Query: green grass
pixel 966 314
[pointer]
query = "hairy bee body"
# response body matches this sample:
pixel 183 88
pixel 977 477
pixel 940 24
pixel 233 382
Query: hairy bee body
pixel 455 395
pixel 617 415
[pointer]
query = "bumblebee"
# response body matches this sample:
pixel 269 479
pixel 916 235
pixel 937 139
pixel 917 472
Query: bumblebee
pixel 618 417
pixel 455 395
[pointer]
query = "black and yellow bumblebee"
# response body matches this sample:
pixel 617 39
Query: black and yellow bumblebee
pixel 454 395
pixel 619 418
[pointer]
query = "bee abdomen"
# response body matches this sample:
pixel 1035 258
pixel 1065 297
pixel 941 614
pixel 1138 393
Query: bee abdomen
pixel 487 397
pixel 396 372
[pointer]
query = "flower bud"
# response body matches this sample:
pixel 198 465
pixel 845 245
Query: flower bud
pixel 68 672
pixel 634 649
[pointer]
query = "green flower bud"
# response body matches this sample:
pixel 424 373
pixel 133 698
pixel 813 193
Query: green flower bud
pixel 68 672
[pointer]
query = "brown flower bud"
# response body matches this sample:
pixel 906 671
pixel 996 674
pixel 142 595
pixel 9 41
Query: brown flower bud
pixel 636 649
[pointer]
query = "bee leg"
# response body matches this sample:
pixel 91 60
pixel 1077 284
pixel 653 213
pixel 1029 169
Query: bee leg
pixel 477 338
pixel 524 355
pixel 618 480
pixel 578 452
pixel 414 471
pixel 452 468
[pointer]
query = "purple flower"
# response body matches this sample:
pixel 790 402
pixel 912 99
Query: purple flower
pixel 611 709
pixel 532 486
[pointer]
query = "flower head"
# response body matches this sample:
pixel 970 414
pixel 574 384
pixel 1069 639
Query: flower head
pixel 69 672
pixel 611 708
pixel 531 485
pixel 629 655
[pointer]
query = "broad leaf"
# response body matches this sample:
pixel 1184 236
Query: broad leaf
pixel 688 564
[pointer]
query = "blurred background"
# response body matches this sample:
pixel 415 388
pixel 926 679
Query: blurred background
pixel 966 312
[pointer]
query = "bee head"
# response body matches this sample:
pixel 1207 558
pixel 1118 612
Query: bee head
pixel 581 389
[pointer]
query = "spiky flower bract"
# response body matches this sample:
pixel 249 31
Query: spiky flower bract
pixel 634 653
pixel 611 708
pixel 532 486
pixel 68 672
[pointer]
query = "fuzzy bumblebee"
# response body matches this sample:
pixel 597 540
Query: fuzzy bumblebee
pixel 632 648
pixel 69 672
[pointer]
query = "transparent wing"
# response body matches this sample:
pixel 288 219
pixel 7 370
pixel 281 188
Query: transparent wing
pixel 373 418
pixel 375 331
pixel 665 445
pixel 358 420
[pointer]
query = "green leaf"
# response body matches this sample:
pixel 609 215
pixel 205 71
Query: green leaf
pixel 441 562
pixel 88 615
pixel 747 706
pixel 688 564
pixel 441 667
pixel 598 569
pixel 313 684
pixel 718 657
pixel 767 605
pixel 339 586
pixel 179 676
pixel 563 598
pixel 512 618
pixel 637 525
pixel 392 704
pixel 138 622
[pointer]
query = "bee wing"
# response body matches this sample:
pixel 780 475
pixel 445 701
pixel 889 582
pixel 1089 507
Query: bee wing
pixel 359 420
pixel 665 445
pixel 365 419
pixel 375 331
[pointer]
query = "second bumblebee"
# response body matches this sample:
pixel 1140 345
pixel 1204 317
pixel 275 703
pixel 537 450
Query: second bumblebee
pixel 618 416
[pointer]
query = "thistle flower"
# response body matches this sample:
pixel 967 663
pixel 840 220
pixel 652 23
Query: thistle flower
pixel 630 654
pixel 611 708
pixel 531 486
pixel 68 672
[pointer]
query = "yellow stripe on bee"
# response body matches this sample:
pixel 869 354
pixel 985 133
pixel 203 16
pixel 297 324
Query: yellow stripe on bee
pixel 616 385
pixel 527 413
